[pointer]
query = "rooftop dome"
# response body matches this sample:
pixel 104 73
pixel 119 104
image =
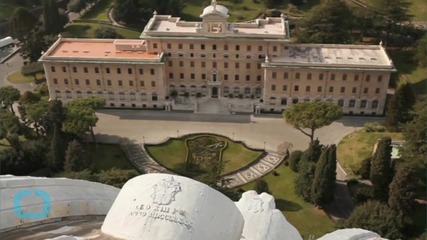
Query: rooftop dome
pixel 216 9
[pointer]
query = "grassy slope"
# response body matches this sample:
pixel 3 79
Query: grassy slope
pixel 99 11
pixel 106 156
pixel 174 154
pixel 87 30
pixel 357 146
pixel 304 216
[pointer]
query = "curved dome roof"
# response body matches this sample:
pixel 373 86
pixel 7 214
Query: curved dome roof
pixel 215 9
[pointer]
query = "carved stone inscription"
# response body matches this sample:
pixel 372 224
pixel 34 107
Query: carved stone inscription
pixel 164 193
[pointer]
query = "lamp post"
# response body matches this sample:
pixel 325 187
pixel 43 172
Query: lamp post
pixel 143 139
pixel 177 133
pixel 264 145
pixel 233 136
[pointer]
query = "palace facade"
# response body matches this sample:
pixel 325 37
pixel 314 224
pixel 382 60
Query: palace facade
pixel 253 63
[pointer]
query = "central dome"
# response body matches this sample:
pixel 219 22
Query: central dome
pixel 215 9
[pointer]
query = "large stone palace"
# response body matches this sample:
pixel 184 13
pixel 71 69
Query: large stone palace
pixel 247 63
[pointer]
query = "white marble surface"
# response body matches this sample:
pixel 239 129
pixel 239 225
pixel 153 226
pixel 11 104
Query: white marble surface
pixel 166 207
pixel 262 220
pixel 351 234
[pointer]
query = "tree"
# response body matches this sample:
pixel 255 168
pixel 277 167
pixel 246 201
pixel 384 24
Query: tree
pixel 8 96
pixel 53 23
pixel 107 32
pixel 22 23
pixel 377 217
pixel 261 186
pixel 125 10
pixel 294 160
pixel 365 168
pixel 74 160
pixel 304 180
pixel 313 152
pixel 81 117
pixel 393 13
pixel 36 114
pixel 35 44
pixel 400 106
pixel 402 190
pixel 312 115
pixel 329 22
pixel 323 187
pixel 32 69
pixel 10 128
pixel 76 6
pixel 56 154
pixel 381 169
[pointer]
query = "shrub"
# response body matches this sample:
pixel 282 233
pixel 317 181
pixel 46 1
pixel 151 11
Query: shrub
pixel 286 162
pixel 363 194
pixel 240 96
pixel 186 94
pixel 261 186
pixel 198 95
pixel 294 160
pixel 365 168
pixel 107 32
pixel 374 127
pixel 230 95
pixel 173 93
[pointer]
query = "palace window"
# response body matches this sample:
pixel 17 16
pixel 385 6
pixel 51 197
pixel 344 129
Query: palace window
pixel 170 75
pixel 333 76
pixel 76 81
pixel 236 77
pixel 363 104
pixel 307 88
pixel 344 77
pixel 236 89
pixel 354 90
pixel 107 70
pixel 296 88
pixel 365 90
pixel 152 71
pixel 225 76
pixel 52 69
pixel 285 75
pixel 226 65
pixel 85 70
pixel 202 46
pixel 203 76
pixel 352 103
pixel 284 101
pixel 226 47
pixel 130 83
pixel 321 76
pixel 64 69
pixel 258 90
pixel 55 81
pixel 154 45
pixel 258 78
pixel 368 78
pixel 237 48
pixel 237 65
pixel 120 83
pixel 380 78
pixel 342 89
pixel 331 89
pixel 119 71
pixel 273 87
pixel 142 83
pixel 180 46
pixel 141 71
pixel 356 77
pixel 319 89
pixel 181 63
pixel 375 104
pixel 309 76
pixel 248 77
pixel 341 103
pixel 191 46
pixel 191 64
pixel 214 47
pixel 285 88
pixel 87 82
pixel 109 82
pixel 75 69
pixel 153 83
pixel 247 90
pixel 226 90
pixel 181 75
pixel 203 64
pixel 297 75
pixel 260 48
pixel 65 81
pixel 377 91
pixel 129 70
pixel 96 70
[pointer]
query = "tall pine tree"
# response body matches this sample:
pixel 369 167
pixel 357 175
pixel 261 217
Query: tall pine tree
pixel 56 152
pixel 381 169
pixel 74 160
pixel 22 22
pixel 323 187
pixel 402 190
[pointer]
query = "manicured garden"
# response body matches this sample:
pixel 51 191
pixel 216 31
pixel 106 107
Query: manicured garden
pixel 99 12
pixel 173 154
pixel 357 146
pixel 304 216
pixel 105 157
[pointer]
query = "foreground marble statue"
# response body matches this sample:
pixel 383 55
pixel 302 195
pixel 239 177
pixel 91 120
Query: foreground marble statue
pixel 163 207
pixel 262 220
pixel 352 234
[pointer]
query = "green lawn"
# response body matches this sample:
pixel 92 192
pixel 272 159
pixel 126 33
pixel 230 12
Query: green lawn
pixel 106 156
pixel 18 78
pixel 173 154
pixel 304 216
pixel 357 146
pixel 99 11
pixel 409 71
pixel 87 30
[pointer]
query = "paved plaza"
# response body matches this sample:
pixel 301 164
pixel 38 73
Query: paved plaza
pixel 263 131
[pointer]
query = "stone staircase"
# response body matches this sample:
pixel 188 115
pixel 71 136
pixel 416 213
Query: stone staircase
pixel 212 106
